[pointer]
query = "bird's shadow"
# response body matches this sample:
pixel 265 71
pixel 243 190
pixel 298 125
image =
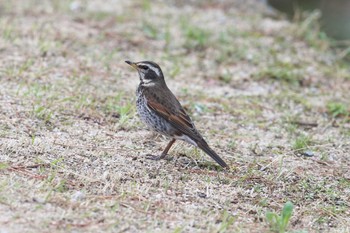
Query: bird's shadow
pixel 182 160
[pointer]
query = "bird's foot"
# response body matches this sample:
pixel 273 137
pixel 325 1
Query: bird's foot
pixel 154 157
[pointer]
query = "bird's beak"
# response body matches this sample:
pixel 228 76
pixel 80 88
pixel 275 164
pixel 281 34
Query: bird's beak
pixel 132 64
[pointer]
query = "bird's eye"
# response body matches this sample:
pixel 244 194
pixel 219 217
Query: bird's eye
pixel 143 67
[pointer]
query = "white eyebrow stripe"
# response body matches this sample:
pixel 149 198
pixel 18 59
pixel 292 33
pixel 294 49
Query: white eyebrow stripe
pixel 155 69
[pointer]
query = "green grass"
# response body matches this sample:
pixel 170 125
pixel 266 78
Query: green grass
pixel 3 165
pixel 196 37
pixel 42 113
pixel 150 30
pixel 302 142
pixel 226 221
pixel 281 71
pixel 338 109
pixel 309 30
pixel 279 223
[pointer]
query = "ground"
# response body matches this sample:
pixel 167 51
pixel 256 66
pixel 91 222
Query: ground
pixel 269 94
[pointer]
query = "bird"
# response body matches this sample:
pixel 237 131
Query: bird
pixel 161 111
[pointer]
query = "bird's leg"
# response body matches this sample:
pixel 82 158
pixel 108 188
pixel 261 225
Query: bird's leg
pixel 164 153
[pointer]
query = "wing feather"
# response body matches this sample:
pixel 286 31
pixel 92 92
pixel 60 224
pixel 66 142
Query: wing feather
pixel 181 121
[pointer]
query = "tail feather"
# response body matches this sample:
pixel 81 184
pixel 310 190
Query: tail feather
pixel 205 147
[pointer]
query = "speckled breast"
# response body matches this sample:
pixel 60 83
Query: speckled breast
pixel 151 119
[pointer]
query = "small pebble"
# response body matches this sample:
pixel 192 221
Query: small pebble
pixel 308 153
pixel 202 195
pixel 78 196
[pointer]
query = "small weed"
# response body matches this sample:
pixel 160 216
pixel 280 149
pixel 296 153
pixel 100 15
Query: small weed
pixel 146 5
pixel 178 230
pixel 150 30
pixel 301 142
pixel 195 37
pixel 263 202
pixel 61 6
pixel 292 128
pixel 125 112
pixel 43 114
pixel 228 52
pixel 337 109
pixel 226 222
pixel 282 72
pixel 8 32
pixel 309 30
pixel 61 186
pixel 167 37
pixel 107 59
pixel 17 70
pixel 111 103
pixel 3 166
pixel 45 47
pixel 232 145
pixel 226 77
pixel 33 138
pixel 279 223
pixel 324 156
pixel 84 101
pixel 99 15
pixel 175 70
pixel 155 32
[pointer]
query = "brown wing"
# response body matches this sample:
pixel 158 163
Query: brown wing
pixel 180 120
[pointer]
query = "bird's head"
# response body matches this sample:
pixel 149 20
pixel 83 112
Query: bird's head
pixel 149 72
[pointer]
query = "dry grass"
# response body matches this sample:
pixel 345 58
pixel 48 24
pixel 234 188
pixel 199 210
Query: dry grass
pixel 262 90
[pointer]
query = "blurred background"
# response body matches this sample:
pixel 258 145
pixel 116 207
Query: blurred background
pixel 334 18
pixel 266 82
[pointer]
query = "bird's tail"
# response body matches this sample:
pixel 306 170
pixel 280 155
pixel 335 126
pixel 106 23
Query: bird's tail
pixel 205 147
